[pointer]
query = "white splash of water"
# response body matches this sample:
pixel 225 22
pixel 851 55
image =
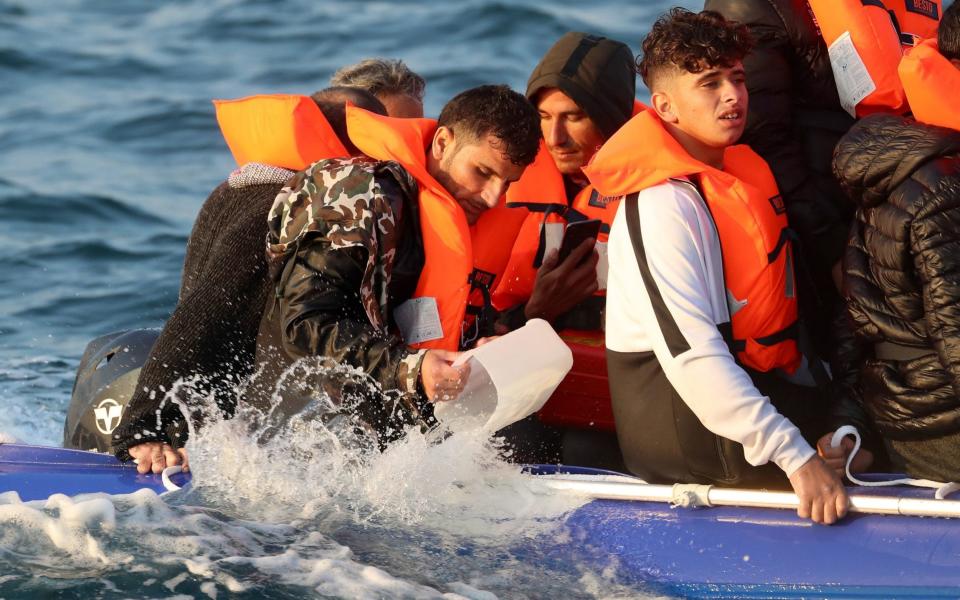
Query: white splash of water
pixel 181 548
pixel 320 459
pixel 304 500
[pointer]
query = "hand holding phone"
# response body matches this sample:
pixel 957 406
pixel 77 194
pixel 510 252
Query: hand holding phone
pixel 560 284
pixel 574 235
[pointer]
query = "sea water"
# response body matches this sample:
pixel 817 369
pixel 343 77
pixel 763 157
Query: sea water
pixel 108 147
pixel 305 505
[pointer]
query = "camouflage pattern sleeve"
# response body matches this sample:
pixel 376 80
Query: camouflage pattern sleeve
pixel 341 202
pixel 408 371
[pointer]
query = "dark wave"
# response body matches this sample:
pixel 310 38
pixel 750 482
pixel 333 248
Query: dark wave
pixel 97 313
pixel 499 20
pixel 107 66
pixel 7 186
pixel 71 210
pixel 94 250
pixel 12 59
pixel 10 15
pixel 9 9
pixel 168 239
pixel 168 127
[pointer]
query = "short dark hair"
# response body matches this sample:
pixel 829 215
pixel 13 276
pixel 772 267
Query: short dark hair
pixel 333 104
pixel 692 42
pixel 948 35
pixel 498 111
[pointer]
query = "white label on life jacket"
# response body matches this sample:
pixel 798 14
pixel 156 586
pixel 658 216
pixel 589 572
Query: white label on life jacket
pixel 419 320
pixel 552 236
pixel 853 79
pixel 603 266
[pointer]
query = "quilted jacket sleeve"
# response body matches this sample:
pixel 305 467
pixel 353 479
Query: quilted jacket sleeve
pixel 935 245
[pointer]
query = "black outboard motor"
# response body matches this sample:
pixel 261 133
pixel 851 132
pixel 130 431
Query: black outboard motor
pixel 105 382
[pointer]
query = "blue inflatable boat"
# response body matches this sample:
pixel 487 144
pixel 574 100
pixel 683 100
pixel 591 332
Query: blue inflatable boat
pixel 744 551
pixel 737 547
pixel 37 472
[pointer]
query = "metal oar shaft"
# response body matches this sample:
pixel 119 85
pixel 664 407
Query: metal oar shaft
pixel 645 492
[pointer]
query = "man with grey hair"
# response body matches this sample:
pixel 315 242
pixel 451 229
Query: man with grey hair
pixel 390 80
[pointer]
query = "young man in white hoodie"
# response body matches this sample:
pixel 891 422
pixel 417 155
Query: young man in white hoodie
pixel 701 304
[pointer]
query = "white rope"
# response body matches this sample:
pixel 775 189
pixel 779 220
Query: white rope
pixel 942 489
pixel 165 477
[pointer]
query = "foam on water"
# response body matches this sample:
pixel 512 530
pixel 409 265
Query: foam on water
pixel 322 459
pixel 110 147
pixel 291 501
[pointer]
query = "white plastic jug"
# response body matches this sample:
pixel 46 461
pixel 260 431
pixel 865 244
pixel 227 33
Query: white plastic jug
pixel 510 378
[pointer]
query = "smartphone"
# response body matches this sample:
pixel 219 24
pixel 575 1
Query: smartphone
pixel 575 233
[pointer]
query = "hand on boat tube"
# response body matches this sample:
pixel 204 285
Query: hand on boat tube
pixel 560 287
pixel 822 496
pixel 836 456
pixel 441 380
pixel 157 456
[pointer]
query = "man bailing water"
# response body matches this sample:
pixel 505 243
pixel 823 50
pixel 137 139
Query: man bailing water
pixel 384 262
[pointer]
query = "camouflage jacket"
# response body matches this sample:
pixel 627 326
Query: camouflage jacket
pixel 343 246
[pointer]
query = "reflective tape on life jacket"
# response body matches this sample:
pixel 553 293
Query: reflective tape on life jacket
pixel 877 43
pixel 916 20
pixel 751 223
pixel 932 84
pixel 459 259
pixel 280 130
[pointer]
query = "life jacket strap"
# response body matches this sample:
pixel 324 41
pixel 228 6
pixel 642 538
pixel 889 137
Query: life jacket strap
pixel 538 207
pixel 906 39
pixel 483 316
pixel 790 332
pixel 786 235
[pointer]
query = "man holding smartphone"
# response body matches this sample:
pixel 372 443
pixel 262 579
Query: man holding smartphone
pixel 584 90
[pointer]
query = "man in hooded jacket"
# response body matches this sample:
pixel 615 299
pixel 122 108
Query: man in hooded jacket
pixel 583 89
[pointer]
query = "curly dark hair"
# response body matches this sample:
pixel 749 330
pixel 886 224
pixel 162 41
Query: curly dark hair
pixel 692 42
pixel 948 34
pixel 498 111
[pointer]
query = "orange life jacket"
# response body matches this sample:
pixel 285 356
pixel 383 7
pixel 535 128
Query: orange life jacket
pixel 541 195
pixel 751 223
pixel 541 191
pixel 281 130
pixel 459 258
pixel 876 40
pixel 932 84
pixel 917 20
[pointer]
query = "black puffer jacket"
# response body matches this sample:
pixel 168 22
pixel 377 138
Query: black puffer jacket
pixel 795 120
pixel 902 269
